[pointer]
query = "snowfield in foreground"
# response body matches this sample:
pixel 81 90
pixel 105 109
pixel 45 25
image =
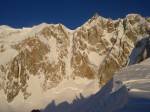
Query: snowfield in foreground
pixel 128 91
pixel 67 91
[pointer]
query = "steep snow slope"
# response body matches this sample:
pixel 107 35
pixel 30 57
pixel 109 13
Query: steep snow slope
pixel 66 91
pixel 128 91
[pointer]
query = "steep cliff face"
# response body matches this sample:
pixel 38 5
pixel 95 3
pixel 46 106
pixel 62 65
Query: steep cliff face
pixel 41 53
pixel 107 44
pixel 53 53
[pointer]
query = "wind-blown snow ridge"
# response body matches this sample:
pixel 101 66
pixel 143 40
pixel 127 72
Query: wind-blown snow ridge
pixel 128 91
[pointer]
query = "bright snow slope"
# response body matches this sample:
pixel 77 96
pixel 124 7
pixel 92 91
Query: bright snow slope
pixel 128 91
pixel 67 91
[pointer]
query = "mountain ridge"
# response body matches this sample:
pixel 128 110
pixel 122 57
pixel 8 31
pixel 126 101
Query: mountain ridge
pixel 50 55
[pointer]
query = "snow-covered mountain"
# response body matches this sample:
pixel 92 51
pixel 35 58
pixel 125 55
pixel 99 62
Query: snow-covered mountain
pixel 50 63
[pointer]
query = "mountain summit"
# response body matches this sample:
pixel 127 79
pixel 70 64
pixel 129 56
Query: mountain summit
pixel 50 62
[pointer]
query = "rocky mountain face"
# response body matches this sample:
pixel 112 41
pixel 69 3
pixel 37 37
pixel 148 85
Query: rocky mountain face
pixel 53 53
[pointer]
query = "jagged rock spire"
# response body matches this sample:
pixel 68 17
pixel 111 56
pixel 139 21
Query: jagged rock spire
pixel 96 15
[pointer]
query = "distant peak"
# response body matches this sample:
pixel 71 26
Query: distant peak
pixel 5 26
pixel 43 24
pixel 132 15
pixel 96 15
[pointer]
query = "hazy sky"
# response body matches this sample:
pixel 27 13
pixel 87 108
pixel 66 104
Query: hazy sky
pixel 71 13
